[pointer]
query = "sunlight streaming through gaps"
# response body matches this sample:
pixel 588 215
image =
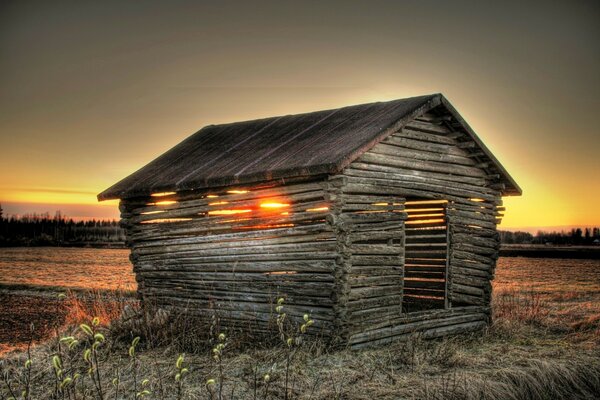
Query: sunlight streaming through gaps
pixel 269 212
pixel 162 194
pixel 162 203
pixel 228 212
pixel 272 204
pixel 237 191
pixel 426 250
pixel 318 209
pixel 165 220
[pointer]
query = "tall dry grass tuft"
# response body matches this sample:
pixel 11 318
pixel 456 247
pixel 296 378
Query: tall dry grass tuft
pixel 83 306
pixel 534 380
pixel 511 306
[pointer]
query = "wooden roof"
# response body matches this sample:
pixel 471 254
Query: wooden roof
pixel 321 142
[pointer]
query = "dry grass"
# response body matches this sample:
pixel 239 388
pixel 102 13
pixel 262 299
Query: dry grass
pixel 543 344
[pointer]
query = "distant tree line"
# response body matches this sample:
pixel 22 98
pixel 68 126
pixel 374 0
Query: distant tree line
pixel 576 236
pixel 58 230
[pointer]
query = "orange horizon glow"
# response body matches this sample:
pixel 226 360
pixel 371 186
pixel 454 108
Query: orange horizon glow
pixel 83 106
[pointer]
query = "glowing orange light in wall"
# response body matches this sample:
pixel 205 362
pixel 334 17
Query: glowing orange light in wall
pixel 166 220
pixel 217 203
pixel 273 204
pixel 317 209
pixel 152 212
pixel 212 196
pixel 237 191
pixel 161 194
pixel 228 212
pixel 164 203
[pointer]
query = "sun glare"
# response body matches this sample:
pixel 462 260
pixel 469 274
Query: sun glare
pixel 272 204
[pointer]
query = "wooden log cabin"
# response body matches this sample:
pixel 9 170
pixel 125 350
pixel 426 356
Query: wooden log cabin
pixel 379 219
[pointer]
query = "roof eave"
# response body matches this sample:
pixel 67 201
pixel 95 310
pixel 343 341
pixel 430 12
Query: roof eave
pixel 512 188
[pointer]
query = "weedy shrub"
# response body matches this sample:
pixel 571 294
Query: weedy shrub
pixel 512 306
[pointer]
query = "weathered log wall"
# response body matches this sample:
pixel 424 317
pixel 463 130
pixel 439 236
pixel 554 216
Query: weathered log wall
pixel 430 169
pixel 235 251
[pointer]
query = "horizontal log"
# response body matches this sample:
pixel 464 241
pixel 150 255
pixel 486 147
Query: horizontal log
pixel 200 258
pixel 424 316
pixel 432 166
pixel 476 240
pixel 320 230
pixel 302 300
pixel 281 277
pixel 360 237
pixel 473 249
pixel 370 303
pixel 470 290
pixel 377 270
pixel 250 311
pixel 428 127
pixel 422 136
pixel 406 149
pixel 377 291
pixel 235 266
pixel 461 298
pixel 363 281
pixel 357 260
pixel 374 249
pixel 238 248
pixel 178 286
pixel 464 255
pixel 476 232
pixel 370 199
pixel 352 218
pixel 470 272
pixel 454 329
pixel 418 183
pixel 413 327
pixel 468 280
pixel 443 176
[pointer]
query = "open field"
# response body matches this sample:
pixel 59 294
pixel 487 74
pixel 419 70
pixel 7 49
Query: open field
pixel 544 343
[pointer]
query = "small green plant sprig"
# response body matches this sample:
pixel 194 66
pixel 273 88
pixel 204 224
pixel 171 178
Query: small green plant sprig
pixel 181 372
pixel 292 339
pixel 25 373
pixel 139 390
pixel 217 352
pixel 66 377
pixel 90 354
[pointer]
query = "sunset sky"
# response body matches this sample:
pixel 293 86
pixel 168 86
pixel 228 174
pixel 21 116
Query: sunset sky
pixel 92 91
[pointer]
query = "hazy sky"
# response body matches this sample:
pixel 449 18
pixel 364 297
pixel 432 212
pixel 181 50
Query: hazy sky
pixel 91 91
